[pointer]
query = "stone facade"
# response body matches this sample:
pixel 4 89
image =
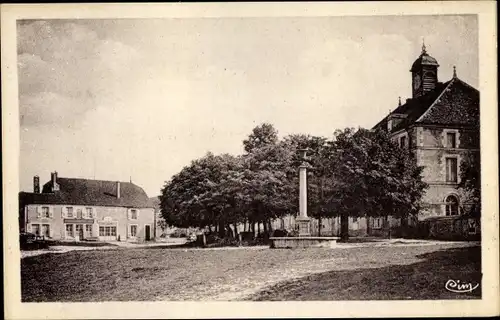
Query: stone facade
pixel 90 222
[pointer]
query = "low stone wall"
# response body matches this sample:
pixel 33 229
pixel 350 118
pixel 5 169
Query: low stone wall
pixel 452 228
pixel 301 242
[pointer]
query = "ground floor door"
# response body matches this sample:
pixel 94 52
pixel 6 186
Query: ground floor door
pixel 148 232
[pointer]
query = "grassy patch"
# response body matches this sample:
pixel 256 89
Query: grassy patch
pixel 144 274
pixel 421 280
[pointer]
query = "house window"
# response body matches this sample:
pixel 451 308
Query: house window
pixel 88 230
pixel 133 214
pixel 45 212
pixel 451 206
pixel 69 230
pixel 402 142
pixel 451 140
pixel 377 223
pixel 46 230
pixel 451 170
pixel 35 228
pixel 133 230
pixel 107 231
pixel 69 212
pixel 79 213
pixel 90 213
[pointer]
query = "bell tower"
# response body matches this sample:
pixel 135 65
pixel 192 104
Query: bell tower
pixel 424 74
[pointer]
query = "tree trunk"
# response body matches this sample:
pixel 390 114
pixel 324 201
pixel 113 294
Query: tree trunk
pixel 344 227
pixel 319 226
pixel 388 223
pixel 258 228
pixel 368 225
pixel 236 233
pixel 230 231
pixel 222 230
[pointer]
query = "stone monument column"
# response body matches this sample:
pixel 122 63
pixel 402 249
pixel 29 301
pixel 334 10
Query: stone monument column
pixel 303 220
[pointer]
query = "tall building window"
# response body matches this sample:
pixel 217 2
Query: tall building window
pixel 451 170
pixel 451 140
pixel 402 142
pixel 451 206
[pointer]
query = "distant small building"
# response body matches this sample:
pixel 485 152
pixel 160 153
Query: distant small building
pixel 78 209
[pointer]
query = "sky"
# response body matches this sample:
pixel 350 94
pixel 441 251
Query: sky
pixel 140 98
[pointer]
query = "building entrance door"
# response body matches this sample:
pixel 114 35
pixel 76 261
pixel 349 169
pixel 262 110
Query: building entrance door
pixel 148 232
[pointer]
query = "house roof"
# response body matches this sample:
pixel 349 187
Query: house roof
pixel 451 103
pixel 89 192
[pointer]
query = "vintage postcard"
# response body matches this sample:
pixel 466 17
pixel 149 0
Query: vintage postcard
pixel 250 160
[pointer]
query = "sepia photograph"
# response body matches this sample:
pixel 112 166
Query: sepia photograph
pixel 251 158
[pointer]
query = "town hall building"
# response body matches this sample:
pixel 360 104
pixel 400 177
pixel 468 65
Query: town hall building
pixel 439 125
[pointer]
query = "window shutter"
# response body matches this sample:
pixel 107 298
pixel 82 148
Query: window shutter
pixel 129 213
pixel 84 213
pixel 137 213
pixel 94 213
pixel 28 228
pixel 129 234
pixel 51 232
pixel 38 212
pixel 51 212
pixel 64 212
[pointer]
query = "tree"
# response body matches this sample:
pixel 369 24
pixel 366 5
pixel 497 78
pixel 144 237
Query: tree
pixel 205 193
pixel 470 183
pixel 372 177
pixel 267 179
pixel 262 135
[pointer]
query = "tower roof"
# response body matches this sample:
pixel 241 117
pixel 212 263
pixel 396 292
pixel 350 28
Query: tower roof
pixel 424 59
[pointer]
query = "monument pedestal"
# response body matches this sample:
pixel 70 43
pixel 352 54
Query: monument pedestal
pixel 304 224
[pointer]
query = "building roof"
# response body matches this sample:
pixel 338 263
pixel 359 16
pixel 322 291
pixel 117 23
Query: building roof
pixel 89 192
pixel 454 103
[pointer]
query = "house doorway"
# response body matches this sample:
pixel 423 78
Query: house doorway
pixel 147 236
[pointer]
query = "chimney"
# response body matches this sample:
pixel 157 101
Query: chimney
pixel 36 184
pixel 118 189
pixel 53 179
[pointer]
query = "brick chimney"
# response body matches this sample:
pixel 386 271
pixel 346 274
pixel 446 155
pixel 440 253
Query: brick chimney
pixel 118 189
pixel 36 184
pixel 53 179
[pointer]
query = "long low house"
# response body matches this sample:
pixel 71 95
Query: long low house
pixel 79 209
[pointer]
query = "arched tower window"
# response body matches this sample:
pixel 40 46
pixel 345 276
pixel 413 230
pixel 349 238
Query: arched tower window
pixel 451 205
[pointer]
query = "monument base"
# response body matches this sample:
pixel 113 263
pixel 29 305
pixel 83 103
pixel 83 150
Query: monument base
pixel 304 224
pixel 302 242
